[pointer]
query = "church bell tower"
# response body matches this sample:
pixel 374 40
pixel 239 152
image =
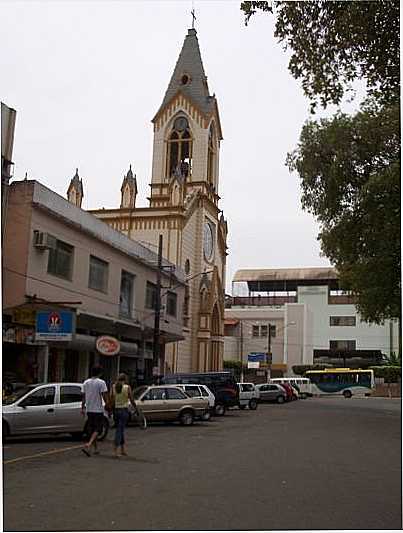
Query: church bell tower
pixel 185 177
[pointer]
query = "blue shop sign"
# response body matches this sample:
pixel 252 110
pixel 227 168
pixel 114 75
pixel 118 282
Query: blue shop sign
pixel 54 325
pixel 257 357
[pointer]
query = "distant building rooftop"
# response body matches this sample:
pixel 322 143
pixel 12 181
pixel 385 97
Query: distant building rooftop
pixel 286 279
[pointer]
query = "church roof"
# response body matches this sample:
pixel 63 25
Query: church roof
pixel 189 77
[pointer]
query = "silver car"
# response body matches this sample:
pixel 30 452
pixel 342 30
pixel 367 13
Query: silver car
pixel 46 408
pixel 271 393
pixel 169 403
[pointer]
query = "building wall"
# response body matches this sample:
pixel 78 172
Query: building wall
pixel 21 255
pixel 296 342
pixel 252 317
pixel 367 336
pixel 16 244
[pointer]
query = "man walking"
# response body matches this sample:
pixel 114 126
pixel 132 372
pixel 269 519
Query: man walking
pixel 94 392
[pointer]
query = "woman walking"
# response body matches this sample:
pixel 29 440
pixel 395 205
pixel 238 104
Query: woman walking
pixel 121 396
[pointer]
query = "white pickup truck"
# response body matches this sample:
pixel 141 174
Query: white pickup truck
pixel 248 396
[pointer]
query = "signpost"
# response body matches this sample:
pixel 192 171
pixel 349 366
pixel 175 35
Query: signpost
pixel 54 325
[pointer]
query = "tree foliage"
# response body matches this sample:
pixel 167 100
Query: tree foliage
pixel 350 176
pixel 350 165
pixel 334 43
pixel 391 374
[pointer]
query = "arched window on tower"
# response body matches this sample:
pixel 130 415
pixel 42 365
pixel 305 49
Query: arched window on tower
pixel 211 155
pixel 179 150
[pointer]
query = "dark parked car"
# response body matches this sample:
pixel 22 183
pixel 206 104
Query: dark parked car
pixel 222 384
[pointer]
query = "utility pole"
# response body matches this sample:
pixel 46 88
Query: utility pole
pixel 241 354
pixel 156 344
pixel 268 373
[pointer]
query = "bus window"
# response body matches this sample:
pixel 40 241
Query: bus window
pixel 364 379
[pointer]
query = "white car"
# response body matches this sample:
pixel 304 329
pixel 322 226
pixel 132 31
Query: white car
pixel 248 396
pixel 47 408
pixel 200 391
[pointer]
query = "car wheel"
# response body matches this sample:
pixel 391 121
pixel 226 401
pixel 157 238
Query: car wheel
pixel 303 396
pixel 241 406
pixel 6 431
pixel 186 418
pixel 347 394
pixel 206 416
pixel 253 405
pixel 219 409
pixel 280 399
pixel 140 419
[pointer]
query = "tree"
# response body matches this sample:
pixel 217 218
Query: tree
pixel 335 43
pixel 350 165
pixel 350 176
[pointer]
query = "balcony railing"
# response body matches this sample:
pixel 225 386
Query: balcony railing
pixel 260 300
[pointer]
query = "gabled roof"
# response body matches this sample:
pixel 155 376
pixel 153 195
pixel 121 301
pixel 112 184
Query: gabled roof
pixel 196 88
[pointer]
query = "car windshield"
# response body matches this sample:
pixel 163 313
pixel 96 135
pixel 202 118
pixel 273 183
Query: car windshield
pixel 18 394
pixel 139 391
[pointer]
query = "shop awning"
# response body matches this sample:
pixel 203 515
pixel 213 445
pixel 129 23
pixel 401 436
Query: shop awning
pixel 87 342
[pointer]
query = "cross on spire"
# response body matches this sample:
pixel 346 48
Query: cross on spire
pixel 193 18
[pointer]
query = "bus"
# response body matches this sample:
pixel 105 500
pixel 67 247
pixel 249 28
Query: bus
pixel 345 381
pixel 303 385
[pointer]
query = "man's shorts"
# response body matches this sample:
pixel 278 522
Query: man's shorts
pixel 95 422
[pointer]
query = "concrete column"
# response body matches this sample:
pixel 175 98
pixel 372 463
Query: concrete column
pixel 43 363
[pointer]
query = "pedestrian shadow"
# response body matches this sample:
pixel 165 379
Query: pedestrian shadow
pixel 129 459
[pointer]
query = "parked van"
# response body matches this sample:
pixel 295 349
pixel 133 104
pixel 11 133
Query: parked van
pixel 303 385
pixel 248 396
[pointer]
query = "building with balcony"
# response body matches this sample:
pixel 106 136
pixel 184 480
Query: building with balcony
pixel 60 261
pixel 302 316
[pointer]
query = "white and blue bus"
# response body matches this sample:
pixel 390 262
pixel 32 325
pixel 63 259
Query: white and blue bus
pixel 346 381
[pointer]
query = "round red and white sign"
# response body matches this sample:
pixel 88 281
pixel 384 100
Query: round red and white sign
pixel 107 345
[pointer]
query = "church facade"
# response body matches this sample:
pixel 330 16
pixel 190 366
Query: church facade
pixel 184 209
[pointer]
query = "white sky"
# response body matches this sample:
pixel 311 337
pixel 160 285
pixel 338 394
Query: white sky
pixel 86 78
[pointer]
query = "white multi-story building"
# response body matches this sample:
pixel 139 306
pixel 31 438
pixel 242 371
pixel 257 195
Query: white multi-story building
pixel 302 317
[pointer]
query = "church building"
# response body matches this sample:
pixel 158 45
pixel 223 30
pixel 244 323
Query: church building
pixel 184 209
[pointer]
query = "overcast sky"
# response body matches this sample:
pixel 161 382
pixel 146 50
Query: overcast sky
pixel 86 78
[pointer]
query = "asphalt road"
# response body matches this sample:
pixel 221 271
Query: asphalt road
pixel 326 463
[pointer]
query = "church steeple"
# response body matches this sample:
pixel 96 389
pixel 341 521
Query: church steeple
pixel 129 191
pixel 75 192
pixel 189 77
pixel 187 130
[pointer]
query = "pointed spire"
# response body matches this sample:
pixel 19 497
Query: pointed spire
pixel 75 192
pixel 130 173
pixel 189 76
pixel 129 190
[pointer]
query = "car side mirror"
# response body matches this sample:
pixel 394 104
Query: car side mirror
pixel 22 404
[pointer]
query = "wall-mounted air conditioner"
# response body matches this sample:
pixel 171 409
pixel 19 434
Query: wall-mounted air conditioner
pixel 43 241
